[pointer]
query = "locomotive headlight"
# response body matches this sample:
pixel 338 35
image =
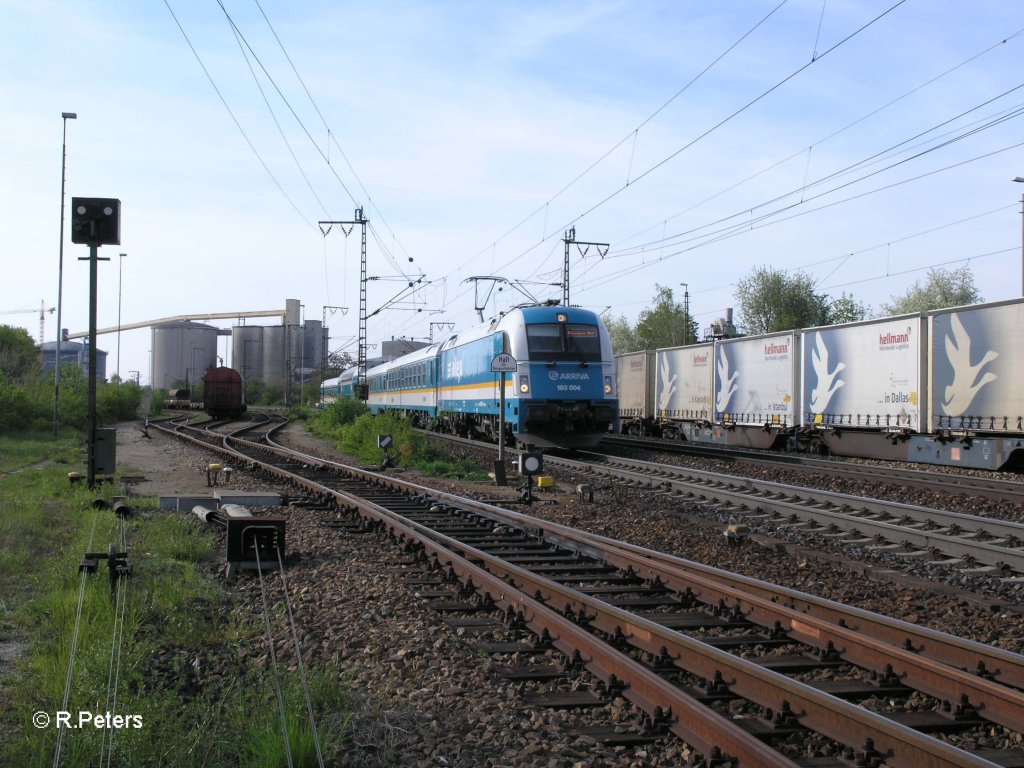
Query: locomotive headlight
pixel 524 384
pixel 608 387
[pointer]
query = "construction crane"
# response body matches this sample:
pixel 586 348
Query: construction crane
pixel 42 322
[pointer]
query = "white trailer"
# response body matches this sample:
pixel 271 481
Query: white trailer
pixel 756 381
pixel 864 384
pixel 975 393
pixel 683 387
pixel 635 375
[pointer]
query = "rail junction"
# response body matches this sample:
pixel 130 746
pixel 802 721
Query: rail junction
pixel 676 638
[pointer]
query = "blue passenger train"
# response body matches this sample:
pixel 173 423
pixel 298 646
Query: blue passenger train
pixel 562 393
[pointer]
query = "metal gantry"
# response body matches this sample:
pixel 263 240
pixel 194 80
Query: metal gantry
pixel 361 389
pixel 583 246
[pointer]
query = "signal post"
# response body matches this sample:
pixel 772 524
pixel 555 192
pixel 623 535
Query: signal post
pixel 501 363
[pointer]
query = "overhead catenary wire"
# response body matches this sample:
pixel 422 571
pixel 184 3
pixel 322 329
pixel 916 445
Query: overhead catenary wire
pixel 950 138
pixel 323 154
pixel 716 126
pixel 330 134
pixel 891 102
pixel 273 114
pixel 695 140
pixel 632 133
pixel 774 216
pixel 244 45
pixel 392 247
pixel 238 125
pixel 636 250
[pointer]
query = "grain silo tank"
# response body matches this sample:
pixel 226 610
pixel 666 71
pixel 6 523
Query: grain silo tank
pixel 247 351
pixel 178 347
pixel 274 348
pixel 313 345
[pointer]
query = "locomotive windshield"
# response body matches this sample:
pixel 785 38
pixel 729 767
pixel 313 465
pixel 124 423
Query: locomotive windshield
pixel 562 341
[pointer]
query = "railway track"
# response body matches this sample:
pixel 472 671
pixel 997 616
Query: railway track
pixel 682 640
pixel 984 487
pixel 970 543
pixel 980 544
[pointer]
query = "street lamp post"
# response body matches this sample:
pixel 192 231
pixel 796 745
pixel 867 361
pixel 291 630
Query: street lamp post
pixel 1020 179
pixel 60 269
pixel 120 264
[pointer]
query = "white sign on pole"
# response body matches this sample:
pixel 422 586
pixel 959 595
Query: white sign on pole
pixel 503 363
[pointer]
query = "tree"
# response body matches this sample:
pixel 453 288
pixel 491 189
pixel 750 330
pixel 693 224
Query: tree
pixel 665 324
pixel 942 288
pixel 337 362
pixel 623 337
pixel 846 310
pixel 771 300
pixel 19 355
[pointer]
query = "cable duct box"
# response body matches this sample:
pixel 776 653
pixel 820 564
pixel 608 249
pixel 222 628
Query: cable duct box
pixel 255 541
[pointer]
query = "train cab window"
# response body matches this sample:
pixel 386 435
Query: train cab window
pixel 584 341
pixel 545 339
pixel 564 342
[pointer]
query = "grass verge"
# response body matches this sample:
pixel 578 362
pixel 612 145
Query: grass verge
pixel 355 432
pixel 187 697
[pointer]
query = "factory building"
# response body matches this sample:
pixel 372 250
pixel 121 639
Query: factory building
pixel 293 351
pixel 74 353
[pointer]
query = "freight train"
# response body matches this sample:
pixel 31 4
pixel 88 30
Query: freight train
pixel 940 387
pixel 561 392
pixel 224 393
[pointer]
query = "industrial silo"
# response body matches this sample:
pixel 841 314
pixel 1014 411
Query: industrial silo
pixel 274 348
pixel 247 351
pixel 312 346
pixel 182 352
pixel 306 345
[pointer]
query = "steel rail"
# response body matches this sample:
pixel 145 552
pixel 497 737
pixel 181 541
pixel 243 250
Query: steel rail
pixel 835 718
pixel 985 526
pixel 933 662
pixel 992 488
pixel 653 637
pixel 695 723
pixel 839 720
pixel 750 496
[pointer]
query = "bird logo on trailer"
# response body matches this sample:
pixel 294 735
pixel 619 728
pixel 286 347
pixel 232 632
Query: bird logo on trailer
pixel 967 378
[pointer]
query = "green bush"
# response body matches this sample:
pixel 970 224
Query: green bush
pixel 338 414
pixel 17 408
pixel 118 402
pixel 156 401
pixel 356 432
pixel 360 438
pixel 28 404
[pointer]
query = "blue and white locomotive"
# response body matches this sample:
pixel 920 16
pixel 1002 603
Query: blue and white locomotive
pixel 562 393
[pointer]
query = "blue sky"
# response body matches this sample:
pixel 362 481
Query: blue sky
pixel 469 126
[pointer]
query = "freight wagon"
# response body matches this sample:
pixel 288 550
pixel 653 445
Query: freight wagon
pixel 941 387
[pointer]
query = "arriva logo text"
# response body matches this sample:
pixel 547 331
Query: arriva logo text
pixel 556 376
